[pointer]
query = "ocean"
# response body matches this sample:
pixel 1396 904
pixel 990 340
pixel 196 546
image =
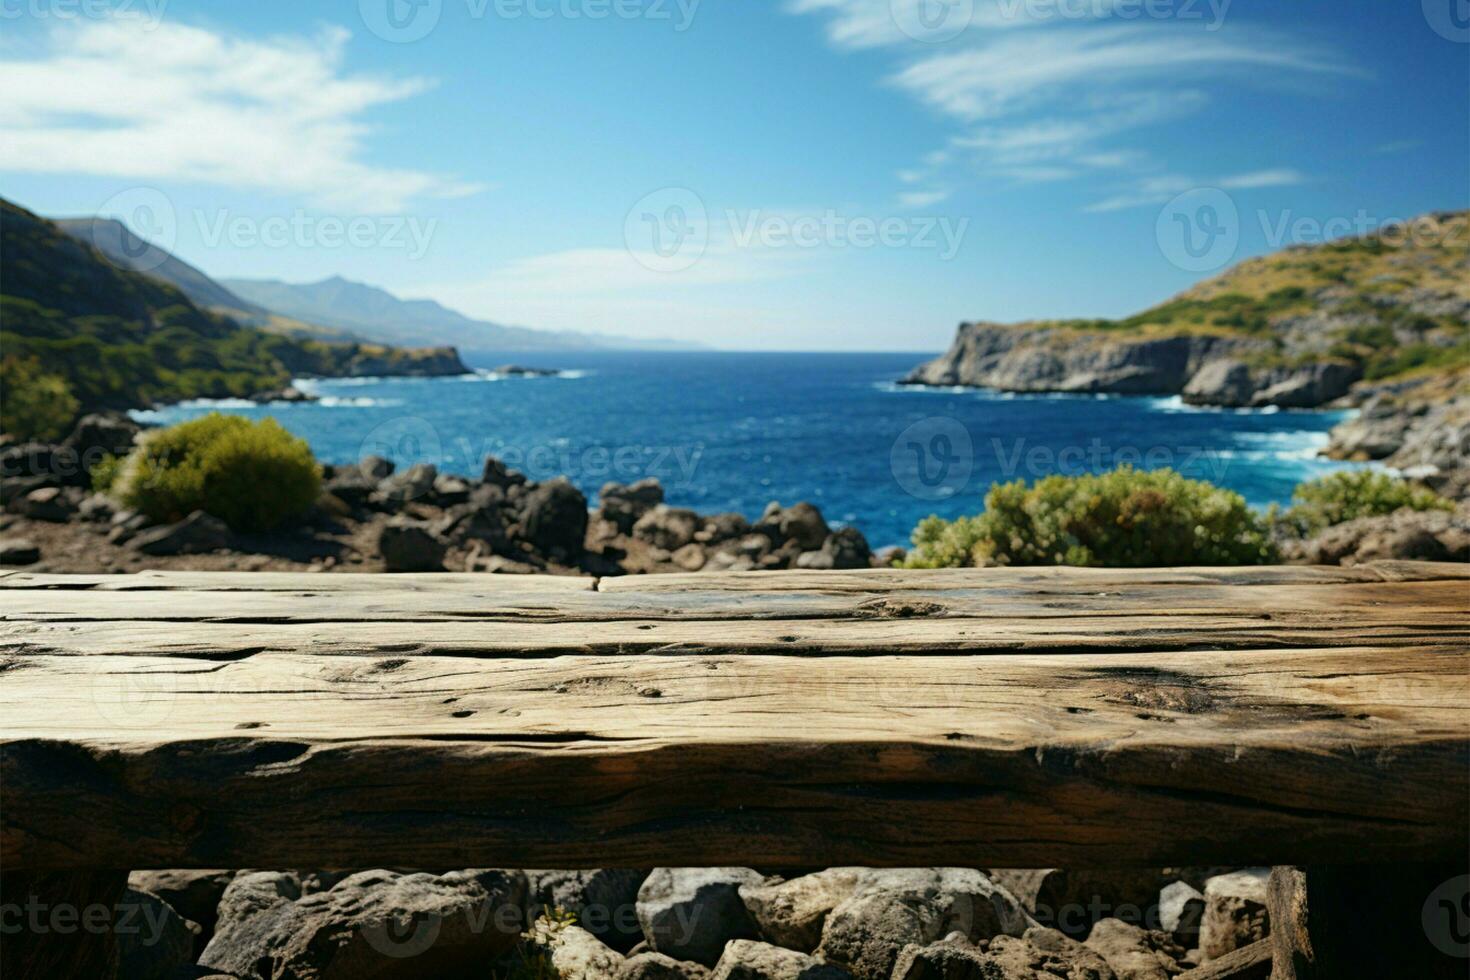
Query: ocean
pixel 733 431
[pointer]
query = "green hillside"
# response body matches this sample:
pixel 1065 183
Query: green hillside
pixel 117 339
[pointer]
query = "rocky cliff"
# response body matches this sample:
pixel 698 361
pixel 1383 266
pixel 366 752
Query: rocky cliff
pixel 1296 329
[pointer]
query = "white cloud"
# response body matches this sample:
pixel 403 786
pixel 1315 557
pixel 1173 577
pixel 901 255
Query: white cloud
pixel 1160 189
pixel 858 24
pixel 118 97
pixel 922 199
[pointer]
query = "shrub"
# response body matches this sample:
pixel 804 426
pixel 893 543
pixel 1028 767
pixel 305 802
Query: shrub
pixel 254 476
pixel 1349 494
pixel 1125 518
pixel 33 403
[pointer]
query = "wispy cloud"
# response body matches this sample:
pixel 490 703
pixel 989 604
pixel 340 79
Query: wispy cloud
pixel 1059 100
pixel 120 97
pixel 1159 189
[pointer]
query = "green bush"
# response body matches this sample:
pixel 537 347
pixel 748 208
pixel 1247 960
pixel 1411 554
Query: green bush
pixel 1349 494
pixel 254 476
pixel 1125 518
pixel 34 404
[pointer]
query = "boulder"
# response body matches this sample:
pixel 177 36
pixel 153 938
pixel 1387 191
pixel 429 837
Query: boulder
pixel 97 508
pixel 125 525
pixel 450 490
pixel 801 522
pixel 379 924
pixel 46 504
pixel 19 551
pixel 623 504
pixel 414 483
pixel 892 909
pixel 691 557
pixel 497 474
pixel 744 959
pixel 691 913
pixel 605 901
pixel 1235 912
pixel 352 485
pixel 1133 953
pixel 1046 954
pixel 554 518
pixel 657 966
pixel 375 467
pixel 102 434
pixel 1432 535
pixel 576 954
pixel 952 958
pixel 844 548
pixel 1181 906
pixel 792 913
pixel 670 528
pixel 193 894
pixel 55 465
pixel 410 546
pixel 722 527
pixel 196 534
pixel 1073 900
pixel 154 942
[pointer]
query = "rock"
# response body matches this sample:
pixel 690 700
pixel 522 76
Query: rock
pixel 353 486
pixel 14 489
pixel 576 954
pixel 102 434
pixel 125 526
pixel 791 913
pixel 605 901
pixel 1046 954
pixel 19 551
pixel 848 549
pixel 154 941
pixel 450 490
pixel 46 504
pixel 97 508
pixel 623 505
pixel 1073 900
pixel 379 924
pixel 690 913
pixel 467 523
pixel 375 467
pixel 414 483
pixel 725 561
pixel 691 557
pixel 196 534
pixel 497 474
pixel 1431 535
pixel 670 528
pixel 718 528
pixel 744 959
pixel 657 966
pixel 949 959
pixel 1133 953
pixel 52 465
pixel 517 371
pixel 286 393
pixel 1221 382
pixel 1235 912
pixel 801 522
pixel 893 909
pixel 554 518
pixel 501 565
pixel 410 546
pixel 1181 906
pixel 193 894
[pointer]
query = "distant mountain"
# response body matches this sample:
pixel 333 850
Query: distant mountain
pixel 376 314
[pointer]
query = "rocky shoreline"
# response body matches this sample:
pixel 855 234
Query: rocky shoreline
pixel 709 924
pixel 373 516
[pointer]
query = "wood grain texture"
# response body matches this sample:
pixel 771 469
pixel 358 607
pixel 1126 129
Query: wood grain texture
pixel 1051 718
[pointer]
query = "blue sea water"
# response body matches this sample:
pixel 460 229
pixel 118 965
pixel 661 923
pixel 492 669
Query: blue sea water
pixel 733 431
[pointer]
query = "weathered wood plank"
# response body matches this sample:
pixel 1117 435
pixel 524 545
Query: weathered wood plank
pixel 1005 761
pixel 317 582
pixel 793 637
pixel 1323 606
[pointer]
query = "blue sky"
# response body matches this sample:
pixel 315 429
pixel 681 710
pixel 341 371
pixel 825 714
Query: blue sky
pixel 803 174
